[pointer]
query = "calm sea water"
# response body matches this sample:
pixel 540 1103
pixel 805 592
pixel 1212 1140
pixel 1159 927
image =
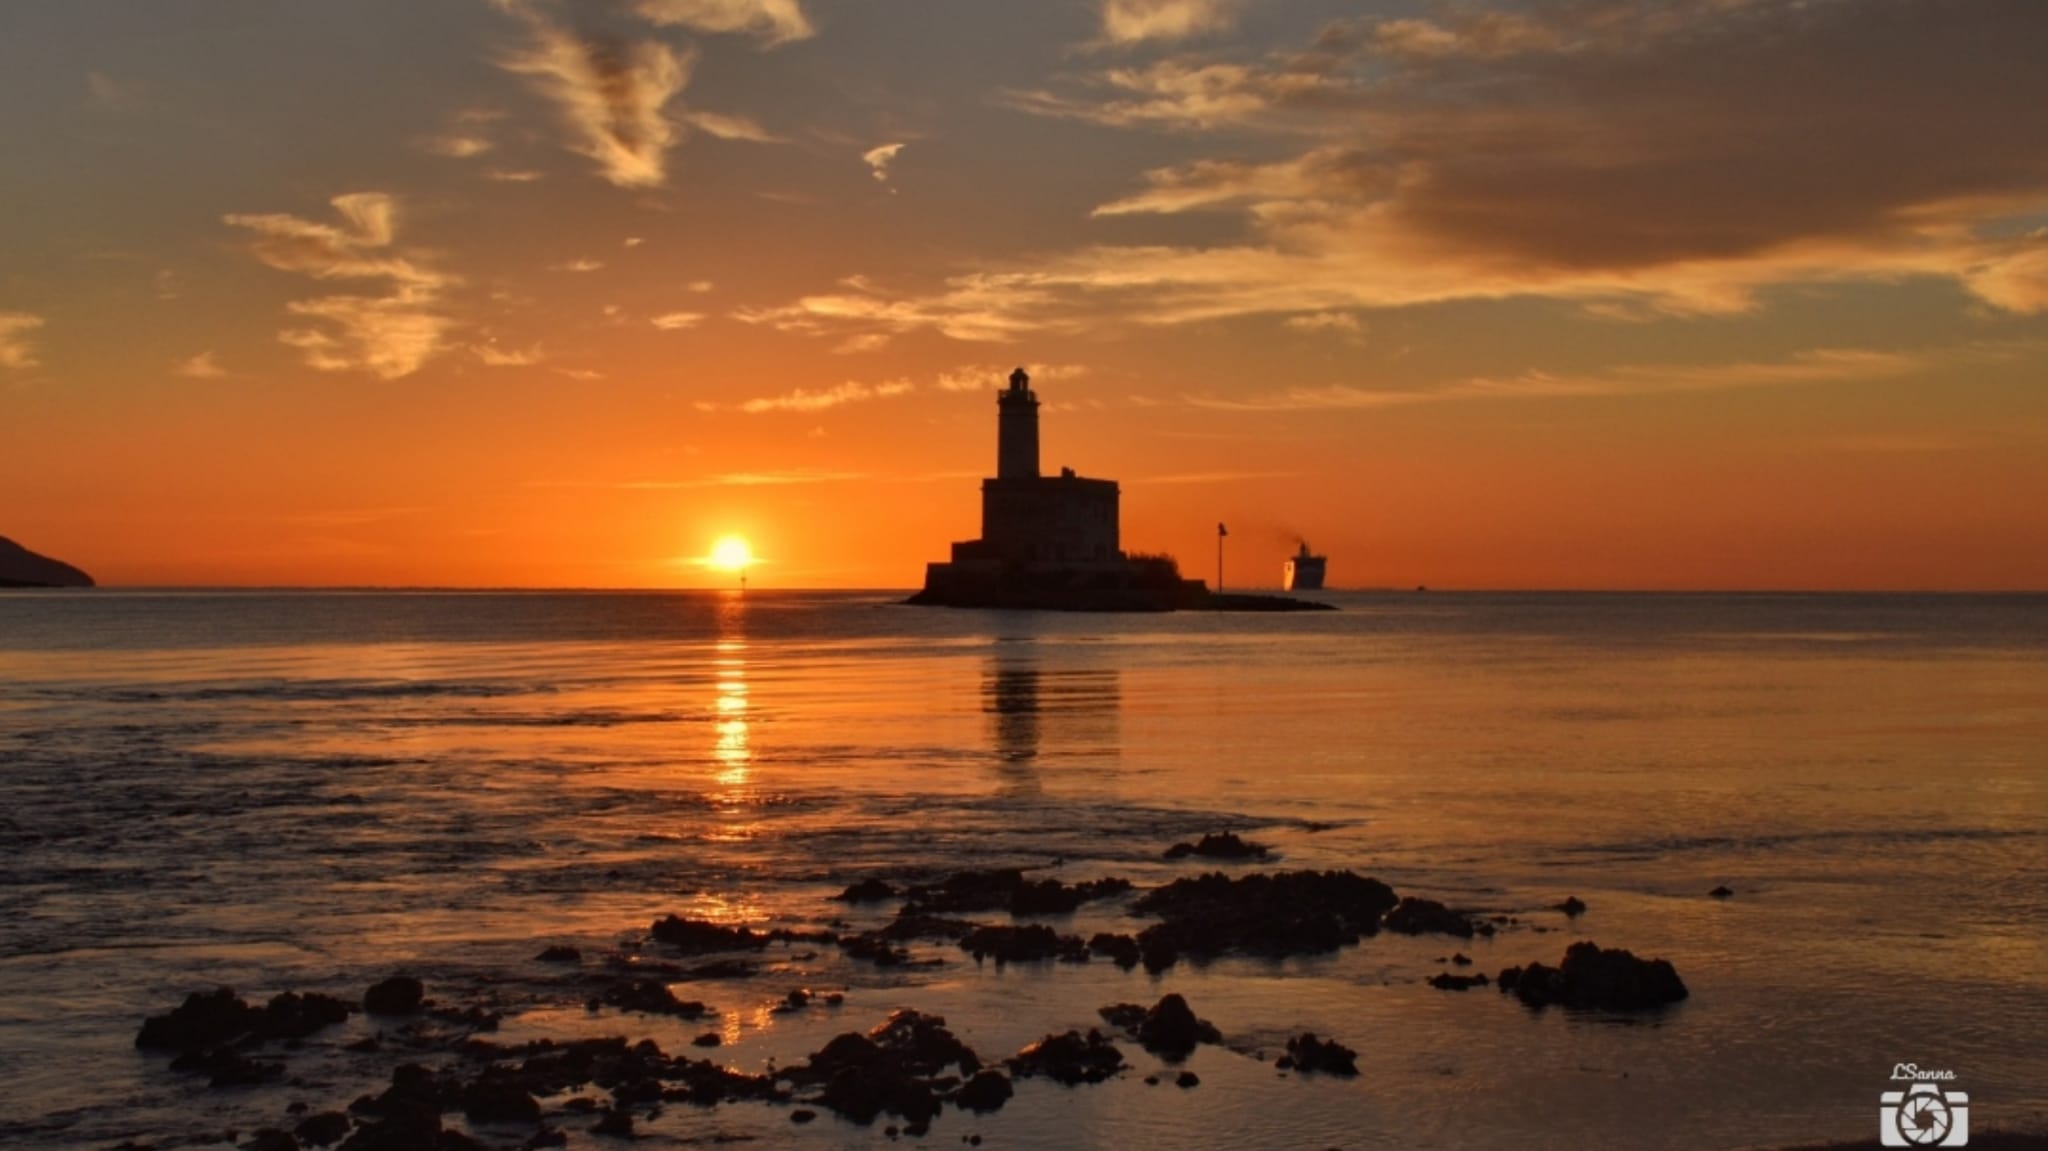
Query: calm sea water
pixel 311 791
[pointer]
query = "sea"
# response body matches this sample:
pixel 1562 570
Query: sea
pixel 310 791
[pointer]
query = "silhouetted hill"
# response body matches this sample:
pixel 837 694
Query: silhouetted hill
pixel 20 567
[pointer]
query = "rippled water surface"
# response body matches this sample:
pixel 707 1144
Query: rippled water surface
pixel 310 791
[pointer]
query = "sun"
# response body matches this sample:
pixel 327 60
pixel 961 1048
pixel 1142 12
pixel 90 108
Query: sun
pixel 731 553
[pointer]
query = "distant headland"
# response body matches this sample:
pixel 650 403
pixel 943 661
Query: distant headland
pixel 20 567
pixel 1051 543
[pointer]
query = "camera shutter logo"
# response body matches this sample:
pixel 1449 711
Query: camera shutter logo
pixel 1923 1115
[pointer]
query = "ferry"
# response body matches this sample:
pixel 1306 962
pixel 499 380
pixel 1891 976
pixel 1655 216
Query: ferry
pixel 1303 572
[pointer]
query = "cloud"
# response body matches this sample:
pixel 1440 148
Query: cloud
pixel 878 160
pixel 677 321
pixel 1817 366
pixel 200 367
pixel 809 400
pixel 111 94
pixel 730 127
pixel 505 176
pixel 1665 160
pixel 611 95
pixel 577 266
pixel 774 21
pixel 493 356
pixel 990 377
pixel 454 146
pixel 581 375
pixel 15 351
pixel 1134 21
pixel 973 307
pixel 1343 323
pixel 390 335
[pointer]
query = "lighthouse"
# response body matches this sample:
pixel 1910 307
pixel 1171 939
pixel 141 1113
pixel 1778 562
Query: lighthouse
pixel 1017 429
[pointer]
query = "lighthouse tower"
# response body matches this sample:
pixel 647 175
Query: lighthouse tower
pixel 1017 430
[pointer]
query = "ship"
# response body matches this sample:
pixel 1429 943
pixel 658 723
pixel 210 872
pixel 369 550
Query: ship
pixel 1303 571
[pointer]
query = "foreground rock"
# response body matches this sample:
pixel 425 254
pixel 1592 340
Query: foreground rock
pixel 1006 889
pixel 1595 978
pixel 895 1069
pixel 1305 1052
pixel 217 1018
pixel 398 995
pixel 1224 846
pixel 1070 1058
pixel 1023 944
pixel 697 936
pixel 1168 1029
pixel 1414 916
pixel 1279 914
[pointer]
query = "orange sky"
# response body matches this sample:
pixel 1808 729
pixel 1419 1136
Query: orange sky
pixel 1669 294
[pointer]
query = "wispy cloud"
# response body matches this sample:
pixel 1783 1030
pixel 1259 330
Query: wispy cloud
pixel 990 377
pixel 15 350
pixel 730 127
pixel 817 399
pixel 493 356
pixel 512 176
pixel 1818 366
pixel 390 335
pixel 200 367
pixel 1341 323
pixel 1135 21
pixel 611 96
pixel 677 321
pixel 791 477
pixel 879 159
pixel 455 147
pixel 773 21
pixel 577 266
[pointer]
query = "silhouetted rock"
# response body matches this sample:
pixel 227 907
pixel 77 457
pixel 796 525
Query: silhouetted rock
pixel 1572 906
pixel 205 1018
pixel 1187 1079
pixel 398 995
pixel 495 1098
pixel 708 1039
pixel 1224 846
pixel 890 1069
pixel 695 936
pixel 1070 1058
pixel 1278 914
pixel 20 567
pixel 1445 981
pixel 867 891
pixel 1123 949
pixel 1305 1052
pixel 321 1128
pixel 1590 977
pixel 227 1067
pixel 269 1139
pixel 985 1091
pixel 1006 889
pixel 1023 944
pixel 1414 916
pixel 1169 1028
pixel 1722 892
pixel 560 953
pixel 617 1123
pixel 651 997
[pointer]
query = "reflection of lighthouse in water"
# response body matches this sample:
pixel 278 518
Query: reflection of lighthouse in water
pixel 1034 708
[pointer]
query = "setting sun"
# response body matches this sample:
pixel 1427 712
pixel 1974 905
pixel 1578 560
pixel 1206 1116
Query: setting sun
pixel 731 553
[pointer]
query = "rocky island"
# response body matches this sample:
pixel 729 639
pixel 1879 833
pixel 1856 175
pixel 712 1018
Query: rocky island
pixel 20 567
pixel 1051 543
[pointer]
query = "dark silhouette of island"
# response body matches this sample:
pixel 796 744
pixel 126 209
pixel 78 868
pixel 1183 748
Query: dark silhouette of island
pixel 20 567
pixel 1051 543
